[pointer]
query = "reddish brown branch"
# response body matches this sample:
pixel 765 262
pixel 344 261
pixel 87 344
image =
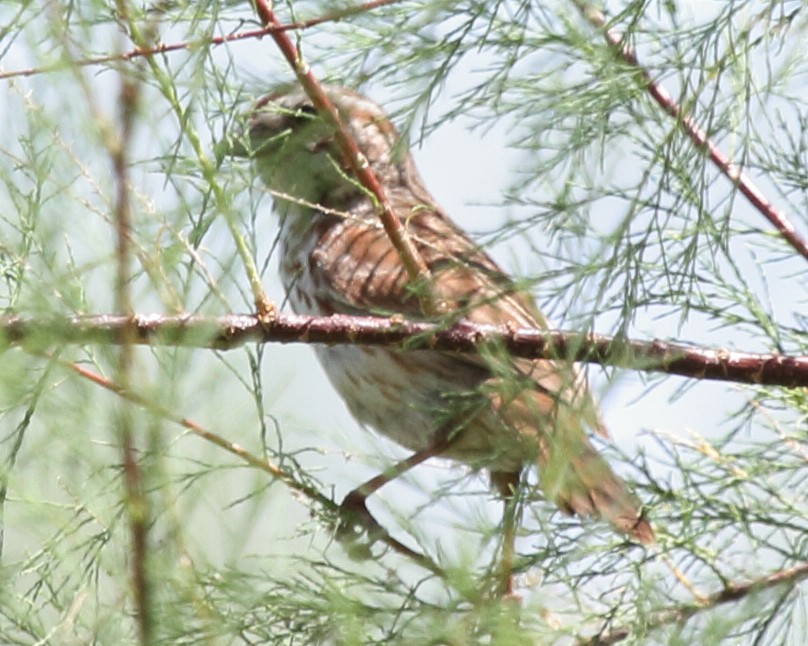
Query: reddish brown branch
pixel 680 614
pixel 697 134
pixel 165 48
pixel 231 331
pixel 136 504
pixel 263 464
pixel 417 271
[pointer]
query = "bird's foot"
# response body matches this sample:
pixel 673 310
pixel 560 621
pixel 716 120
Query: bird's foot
pixel 357 529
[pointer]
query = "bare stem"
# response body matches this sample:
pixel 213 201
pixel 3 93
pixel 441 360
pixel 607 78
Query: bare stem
pixel 234 330
pixel 680 614
pixel 697 134
pixel 417 271
pixel 254 461
pixel 136 503
pixel 165 48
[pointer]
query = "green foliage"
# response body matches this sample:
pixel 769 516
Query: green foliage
pixel 609 214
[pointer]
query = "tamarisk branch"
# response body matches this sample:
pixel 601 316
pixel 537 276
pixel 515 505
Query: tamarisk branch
pixel 679 614
pixel 231 331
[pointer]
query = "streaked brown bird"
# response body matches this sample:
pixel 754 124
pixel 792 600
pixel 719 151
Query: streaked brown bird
pixel 490 411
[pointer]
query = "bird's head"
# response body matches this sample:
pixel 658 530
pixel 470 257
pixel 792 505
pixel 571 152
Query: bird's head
pixel 295 151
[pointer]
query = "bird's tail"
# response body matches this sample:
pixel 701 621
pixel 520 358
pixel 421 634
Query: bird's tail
pixel 581 482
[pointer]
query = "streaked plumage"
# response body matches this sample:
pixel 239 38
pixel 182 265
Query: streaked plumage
pixel 502 412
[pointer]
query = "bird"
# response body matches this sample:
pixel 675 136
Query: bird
pixel 491 410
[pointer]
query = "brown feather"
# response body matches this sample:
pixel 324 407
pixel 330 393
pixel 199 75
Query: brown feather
pixel 505 412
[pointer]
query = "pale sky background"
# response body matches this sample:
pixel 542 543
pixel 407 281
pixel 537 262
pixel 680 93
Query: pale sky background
pixel 466 172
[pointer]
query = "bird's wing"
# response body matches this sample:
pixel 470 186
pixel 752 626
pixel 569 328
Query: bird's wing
pixel 545 400
pixel 358 264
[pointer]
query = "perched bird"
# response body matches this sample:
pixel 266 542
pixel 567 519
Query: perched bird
pixel 491 410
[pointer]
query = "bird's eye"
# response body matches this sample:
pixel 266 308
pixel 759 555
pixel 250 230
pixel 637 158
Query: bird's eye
pixel 306 111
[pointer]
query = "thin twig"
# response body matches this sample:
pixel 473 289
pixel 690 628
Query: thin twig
pixel 417 271
pixel 263 464
pixel 17 437
pixel 234 330
pixel 213 41
pixel 697 134
pixel 680 614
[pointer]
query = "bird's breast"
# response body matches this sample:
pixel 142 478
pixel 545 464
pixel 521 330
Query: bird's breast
pixel 407 396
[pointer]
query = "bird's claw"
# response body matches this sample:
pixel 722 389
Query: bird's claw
pixel 355 522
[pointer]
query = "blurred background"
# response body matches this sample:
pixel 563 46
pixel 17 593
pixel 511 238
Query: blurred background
pixel 535 138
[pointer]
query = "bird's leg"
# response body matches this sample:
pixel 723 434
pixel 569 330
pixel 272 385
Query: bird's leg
pixel 354 515
pixel 506 483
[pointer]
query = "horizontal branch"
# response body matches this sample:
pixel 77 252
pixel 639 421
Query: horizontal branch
pixel 208 41
pixel 231 331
